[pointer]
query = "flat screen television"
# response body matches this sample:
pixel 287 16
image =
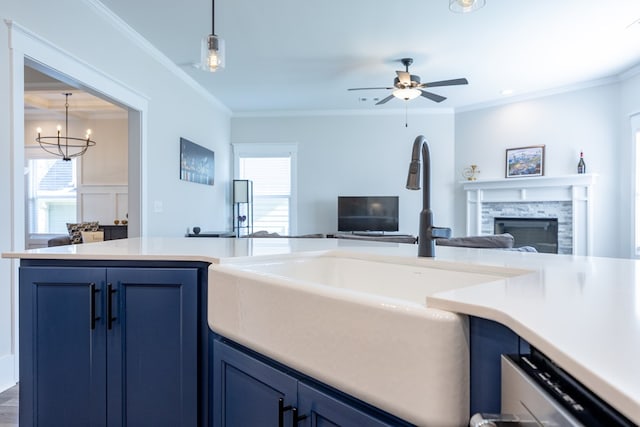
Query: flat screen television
pixel 363 213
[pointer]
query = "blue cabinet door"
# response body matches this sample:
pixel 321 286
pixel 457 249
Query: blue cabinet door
pixel 247 391
pixel 62 347
pixel 320 409
pixel 109 347
pixel 152 340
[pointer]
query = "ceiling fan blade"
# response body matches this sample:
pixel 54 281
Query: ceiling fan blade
pixel 369 88
pixel 452 82
pixel 404 78
pixel 432 96
pixel 384 101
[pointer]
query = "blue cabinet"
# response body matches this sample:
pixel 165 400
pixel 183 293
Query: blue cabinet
pixel 109 346
pixel 250 390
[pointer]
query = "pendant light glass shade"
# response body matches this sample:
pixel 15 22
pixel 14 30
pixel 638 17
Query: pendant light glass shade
pixel 212 56
pixel 464 6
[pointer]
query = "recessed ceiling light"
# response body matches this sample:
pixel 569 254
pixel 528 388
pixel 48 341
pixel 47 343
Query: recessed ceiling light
pixel 506 92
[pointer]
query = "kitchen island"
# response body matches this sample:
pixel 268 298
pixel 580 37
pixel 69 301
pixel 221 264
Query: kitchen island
pixel 584 313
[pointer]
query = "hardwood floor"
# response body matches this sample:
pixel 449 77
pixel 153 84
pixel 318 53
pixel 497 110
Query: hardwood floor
pixel 9 407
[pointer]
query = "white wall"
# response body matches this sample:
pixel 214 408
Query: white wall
pixel 359 155
pixel 566 123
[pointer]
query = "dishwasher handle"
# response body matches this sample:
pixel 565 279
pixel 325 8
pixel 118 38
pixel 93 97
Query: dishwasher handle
pixel 500 420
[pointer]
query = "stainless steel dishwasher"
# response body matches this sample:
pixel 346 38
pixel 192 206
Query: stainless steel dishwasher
pixel 536 392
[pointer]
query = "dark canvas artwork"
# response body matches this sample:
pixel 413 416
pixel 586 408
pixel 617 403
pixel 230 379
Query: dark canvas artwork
pixel 196 163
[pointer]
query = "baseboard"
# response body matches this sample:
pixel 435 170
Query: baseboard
pixel 7 372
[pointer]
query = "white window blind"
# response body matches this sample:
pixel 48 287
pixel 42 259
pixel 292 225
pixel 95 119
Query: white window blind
pixel 271 178
pixel 272 169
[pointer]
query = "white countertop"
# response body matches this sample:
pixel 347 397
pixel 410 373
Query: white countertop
pixel 583 312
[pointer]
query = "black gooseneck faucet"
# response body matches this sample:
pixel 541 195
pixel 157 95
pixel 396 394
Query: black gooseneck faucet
pixel 427 232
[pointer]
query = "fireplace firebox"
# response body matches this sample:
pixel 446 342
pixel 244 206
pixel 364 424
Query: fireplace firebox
pixel 541 233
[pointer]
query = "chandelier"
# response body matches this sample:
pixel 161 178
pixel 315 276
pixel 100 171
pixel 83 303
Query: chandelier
pixel 65 146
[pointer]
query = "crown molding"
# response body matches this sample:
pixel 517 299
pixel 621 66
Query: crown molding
pixel 144 44
pixel 538 94
pixel 616 78
pixel 631 72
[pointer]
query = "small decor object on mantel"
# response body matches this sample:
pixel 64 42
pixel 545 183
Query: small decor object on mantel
pixel 470 172
pixel 582 167
pixel 525 161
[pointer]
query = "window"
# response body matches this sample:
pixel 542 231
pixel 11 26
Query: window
pixel 271 167
pixel 51 195
pixel 635 126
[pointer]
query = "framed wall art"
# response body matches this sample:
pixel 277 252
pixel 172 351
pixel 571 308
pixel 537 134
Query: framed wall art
pixel 525 161
pixel 196 163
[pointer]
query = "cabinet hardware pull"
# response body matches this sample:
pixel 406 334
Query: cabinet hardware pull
pixel 110 316
pixel 297 418
pixel 281 410
pixel 92 305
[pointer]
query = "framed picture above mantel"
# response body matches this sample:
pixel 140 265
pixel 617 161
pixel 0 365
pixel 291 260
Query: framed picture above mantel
pixel 524 161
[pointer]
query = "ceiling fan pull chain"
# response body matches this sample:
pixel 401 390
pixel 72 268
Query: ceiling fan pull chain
pixel 406 115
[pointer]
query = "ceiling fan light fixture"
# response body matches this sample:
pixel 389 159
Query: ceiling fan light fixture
pixel 465 6
pixel 407 93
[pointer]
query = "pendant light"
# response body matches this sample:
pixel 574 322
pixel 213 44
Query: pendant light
pixel 212 51
pixel 65 146
pixel 464 6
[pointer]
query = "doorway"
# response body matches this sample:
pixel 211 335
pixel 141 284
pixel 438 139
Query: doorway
pixel 91 187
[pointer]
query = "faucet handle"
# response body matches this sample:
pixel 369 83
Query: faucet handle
pixel 440 232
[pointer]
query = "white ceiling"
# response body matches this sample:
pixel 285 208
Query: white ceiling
pixel 44 100
pixel 303 55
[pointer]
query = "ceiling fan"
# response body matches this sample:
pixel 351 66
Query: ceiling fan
pixel 407 86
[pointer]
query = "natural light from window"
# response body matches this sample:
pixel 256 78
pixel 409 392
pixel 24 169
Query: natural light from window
pixel 51 189
pixel 637 194
pixel 271 178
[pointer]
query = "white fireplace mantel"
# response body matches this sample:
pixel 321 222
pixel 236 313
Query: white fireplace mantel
pixel 577 189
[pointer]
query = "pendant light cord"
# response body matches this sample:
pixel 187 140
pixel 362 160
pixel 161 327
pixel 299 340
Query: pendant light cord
pixel 213 17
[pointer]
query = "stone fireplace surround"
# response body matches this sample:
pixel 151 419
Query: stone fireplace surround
pixel 568 198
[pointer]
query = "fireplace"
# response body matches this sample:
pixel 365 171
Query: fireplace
pixel 567 198
pixel 541 233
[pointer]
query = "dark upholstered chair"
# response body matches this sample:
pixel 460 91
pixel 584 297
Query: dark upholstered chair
pixel 264 233
pixel 495 241
pixel 59 241
pixel 503 241
pixel 378 238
